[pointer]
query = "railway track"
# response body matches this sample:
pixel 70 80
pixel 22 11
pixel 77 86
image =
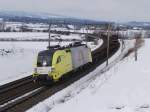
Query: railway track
pixel 33 94
pixel 17 88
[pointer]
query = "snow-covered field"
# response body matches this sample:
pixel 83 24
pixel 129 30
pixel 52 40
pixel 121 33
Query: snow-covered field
pixel 36 35
pixel 17 58
pixel 121 87
pixel 23 35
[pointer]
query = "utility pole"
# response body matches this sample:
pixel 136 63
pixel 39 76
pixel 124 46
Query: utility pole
pixel 87 34
pixel 87 29
pixel 136 54
pixel 137 44
pixel 122 41
pixel 108 38
pixel 49 31
pixel 74 27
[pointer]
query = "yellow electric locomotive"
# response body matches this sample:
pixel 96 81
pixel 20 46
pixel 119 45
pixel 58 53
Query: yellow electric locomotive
pixel 52 64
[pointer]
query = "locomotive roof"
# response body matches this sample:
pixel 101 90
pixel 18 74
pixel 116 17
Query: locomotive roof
pixel 47 52
pixel 52 50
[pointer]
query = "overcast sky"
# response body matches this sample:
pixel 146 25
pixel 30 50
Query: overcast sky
pixel 115 10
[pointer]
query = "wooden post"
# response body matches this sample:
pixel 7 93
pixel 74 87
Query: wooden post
pixel 137 42
pixel 136 54
pixel 123 45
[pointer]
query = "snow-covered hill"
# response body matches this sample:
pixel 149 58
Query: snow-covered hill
pixel 30 14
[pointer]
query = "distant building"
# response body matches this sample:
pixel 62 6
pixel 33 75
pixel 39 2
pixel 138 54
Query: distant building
pixel 2 24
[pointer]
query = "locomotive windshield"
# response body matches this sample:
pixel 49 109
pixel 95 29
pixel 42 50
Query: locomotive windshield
pixel 44 59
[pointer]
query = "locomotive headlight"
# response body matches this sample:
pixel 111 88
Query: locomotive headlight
pixel 44 63
pixel 53 68
pixel 35 70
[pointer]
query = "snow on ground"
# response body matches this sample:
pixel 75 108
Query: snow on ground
pixel 89 93
pixel 36 35
pixel 132 33
pixel 19 61
pixel 93 46
pixel 17 58
pixel 23 35
pixel 15 65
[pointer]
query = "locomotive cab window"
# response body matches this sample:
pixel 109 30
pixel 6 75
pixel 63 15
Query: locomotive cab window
pixel 58 59
pixel 44 60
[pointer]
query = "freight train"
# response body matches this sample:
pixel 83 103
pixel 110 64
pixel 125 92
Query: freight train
pixel 53 64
